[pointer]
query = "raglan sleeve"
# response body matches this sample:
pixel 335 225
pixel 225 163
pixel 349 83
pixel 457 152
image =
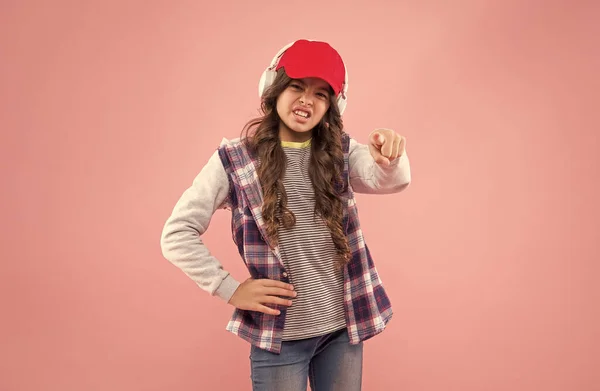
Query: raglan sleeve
pixel 181 239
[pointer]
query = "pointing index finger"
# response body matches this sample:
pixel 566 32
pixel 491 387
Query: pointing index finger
pixel 377 138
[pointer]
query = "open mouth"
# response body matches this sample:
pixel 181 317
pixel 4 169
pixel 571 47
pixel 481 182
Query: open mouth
pixel 301 114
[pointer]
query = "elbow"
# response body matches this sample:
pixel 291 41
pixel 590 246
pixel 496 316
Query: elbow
pixel 165 246
pixel 176 240
pixel 168 242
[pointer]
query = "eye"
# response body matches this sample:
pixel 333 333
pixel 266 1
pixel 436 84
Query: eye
pixel 323 95
pixel 295 87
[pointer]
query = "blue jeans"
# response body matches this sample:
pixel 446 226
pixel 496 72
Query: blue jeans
pixel 329 362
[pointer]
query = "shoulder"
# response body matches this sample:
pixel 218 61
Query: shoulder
pixel 235 154
pixel 231 143
pixel 229 146
pixel 235 146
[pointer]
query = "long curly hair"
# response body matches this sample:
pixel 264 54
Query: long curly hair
pixel 325 167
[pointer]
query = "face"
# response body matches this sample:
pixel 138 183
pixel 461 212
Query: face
pixel 301 106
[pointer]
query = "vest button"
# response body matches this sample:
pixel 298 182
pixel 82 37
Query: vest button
pixel 284 274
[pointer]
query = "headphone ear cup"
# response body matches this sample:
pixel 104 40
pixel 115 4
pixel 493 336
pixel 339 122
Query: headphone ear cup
pixel 341 102
pixel 266 80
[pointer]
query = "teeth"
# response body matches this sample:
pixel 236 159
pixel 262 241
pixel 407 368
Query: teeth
pixel 301 113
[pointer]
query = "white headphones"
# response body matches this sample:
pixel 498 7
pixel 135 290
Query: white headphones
pixel 268 77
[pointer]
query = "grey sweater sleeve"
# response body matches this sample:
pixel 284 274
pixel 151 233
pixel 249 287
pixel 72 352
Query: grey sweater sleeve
pixel 368 177
pixel 181 239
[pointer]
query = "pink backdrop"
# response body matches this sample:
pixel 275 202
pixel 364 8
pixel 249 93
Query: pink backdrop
pixel 109 109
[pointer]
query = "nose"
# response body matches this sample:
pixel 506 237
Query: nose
pixel 306 98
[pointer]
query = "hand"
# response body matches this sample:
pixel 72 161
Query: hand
pixel 254 294
pixel 386 145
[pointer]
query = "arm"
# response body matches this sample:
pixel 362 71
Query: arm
pixel 181 240
pixel 370 177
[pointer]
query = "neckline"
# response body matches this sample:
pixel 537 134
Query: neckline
pixel 296 144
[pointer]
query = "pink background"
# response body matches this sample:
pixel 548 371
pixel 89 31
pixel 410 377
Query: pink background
pixel 109 109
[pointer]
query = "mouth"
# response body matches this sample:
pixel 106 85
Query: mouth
pixel 301 113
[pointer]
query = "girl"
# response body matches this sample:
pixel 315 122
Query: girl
pixel 314 295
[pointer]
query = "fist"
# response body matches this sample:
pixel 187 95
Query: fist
pixel 385 145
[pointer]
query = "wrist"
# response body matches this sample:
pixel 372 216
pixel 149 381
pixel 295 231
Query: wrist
pixel 226 290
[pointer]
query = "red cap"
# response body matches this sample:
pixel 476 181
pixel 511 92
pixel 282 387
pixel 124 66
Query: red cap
pixel 314 59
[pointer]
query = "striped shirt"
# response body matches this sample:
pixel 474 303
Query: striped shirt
pixel 308 252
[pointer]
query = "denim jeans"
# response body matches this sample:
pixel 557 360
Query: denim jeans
pixel 329 362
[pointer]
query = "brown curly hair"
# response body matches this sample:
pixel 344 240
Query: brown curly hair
pixel 326 166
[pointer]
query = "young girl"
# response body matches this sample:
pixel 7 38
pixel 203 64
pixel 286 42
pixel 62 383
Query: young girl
pixel 314 295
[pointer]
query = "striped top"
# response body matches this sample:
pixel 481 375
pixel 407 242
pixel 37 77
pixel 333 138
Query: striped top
pixel 308 252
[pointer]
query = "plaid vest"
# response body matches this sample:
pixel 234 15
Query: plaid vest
pixel 367 306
